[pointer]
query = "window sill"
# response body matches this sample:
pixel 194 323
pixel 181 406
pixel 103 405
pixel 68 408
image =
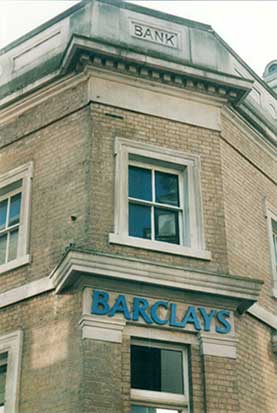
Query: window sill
pixel 167 400
pixel 159 246
pixel 19 262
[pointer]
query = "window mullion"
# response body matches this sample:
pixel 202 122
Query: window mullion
pixel 139 201
pixel 8 229
pixel 7 247
pixel 154 204
pixel 152 208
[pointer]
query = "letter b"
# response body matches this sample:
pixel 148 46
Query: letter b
pixel 100 303
pixel 138 30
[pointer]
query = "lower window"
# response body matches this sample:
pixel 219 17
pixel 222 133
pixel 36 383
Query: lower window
pixel 10 360
pixel 159 378
pixel 3 379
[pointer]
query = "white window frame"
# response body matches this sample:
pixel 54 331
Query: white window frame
pixel 163 400
pixel 186 164
pixel 272 216
pixel 24 173
pixel 12 345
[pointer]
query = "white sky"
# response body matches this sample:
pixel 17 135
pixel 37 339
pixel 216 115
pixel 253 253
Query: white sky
pixel 249 27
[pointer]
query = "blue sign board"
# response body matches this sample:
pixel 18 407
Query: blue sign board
pixel 198 317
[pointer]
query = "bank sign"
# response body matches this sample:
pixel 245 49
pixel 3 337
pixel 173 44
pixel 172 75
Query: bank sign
pixel 199 318
pixel 154 34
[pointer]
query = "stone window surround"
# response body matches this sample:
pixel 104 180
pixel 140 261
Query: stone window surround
pixel 271 215
pixel 165 400
pixel 24 172
pixel 12 344
pixel 124 148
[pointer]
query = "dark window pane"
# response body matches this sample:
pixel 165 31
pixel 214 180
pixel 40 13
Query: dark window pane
pixel 3 374
pixel 145 409
pixel 156 369
pixel 275 247
pixel 140 185
pixel 139 221
pixel 142 409
pixel 11 187
pixel 167 191
pixel 166 226
pixel 3 246
pixel 3 213
pixel 15 209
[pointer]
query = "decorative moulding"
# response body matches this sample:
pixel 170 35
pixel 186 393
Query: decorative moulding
pixel 115 58
pixel 263 315
pixel 29 290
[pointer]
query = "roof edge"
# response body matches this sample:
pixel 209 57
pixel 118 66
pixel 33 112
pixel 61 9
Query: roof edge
pixel 43 26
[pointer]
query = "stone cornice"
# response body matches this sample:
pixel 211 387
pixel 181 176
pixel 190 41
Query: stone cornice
pixel 243 291
pixel 25 291
pixel 83 51
pixel 263 315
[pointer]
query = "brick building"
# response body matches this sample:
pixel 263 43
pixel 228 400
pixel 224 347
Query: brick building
pixel 138 218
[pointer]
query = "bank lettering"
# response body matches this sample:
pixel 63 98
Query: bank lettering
pixel 155 35
pixel 198 317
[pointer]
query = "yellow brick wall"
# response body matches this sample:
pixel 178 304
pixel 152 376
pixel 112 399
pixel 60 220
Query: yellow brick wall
pixel 74 175
pixel 51 366
pixel 249 181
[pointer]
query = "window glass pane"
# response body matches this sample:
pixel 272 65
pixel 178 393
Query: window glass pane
pixel 144 409
pixel 140 185
pixel 13 245
pixel 166 187
pixel 3 213
pixel 166 226
pixel 15 209
pixel 3 245
pixel 139 221
pixel 3 374
pixel 156 369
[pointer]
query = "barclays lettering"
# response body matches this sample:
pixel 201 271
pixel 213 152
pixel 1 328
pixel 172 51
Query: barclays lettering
pixel 198 317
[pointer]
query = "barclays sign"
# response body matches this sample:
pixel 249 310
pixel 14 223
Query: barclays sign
pixel 199 318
